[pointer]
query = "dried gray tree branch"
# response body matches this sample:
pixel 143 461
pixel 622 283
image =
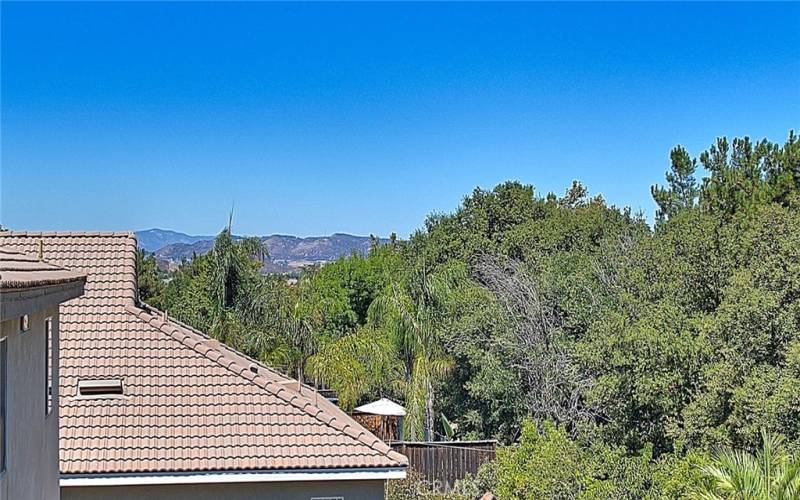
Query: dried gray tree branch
pixel 554 386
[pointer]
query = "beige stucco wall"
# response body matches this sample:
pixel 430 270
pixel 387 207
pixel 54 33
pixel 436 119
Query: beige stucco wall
pixel 32 439
pixel 349 490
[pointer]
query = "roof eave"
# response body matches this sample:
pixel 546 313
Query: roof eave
pixel 229 477
pixel 16 302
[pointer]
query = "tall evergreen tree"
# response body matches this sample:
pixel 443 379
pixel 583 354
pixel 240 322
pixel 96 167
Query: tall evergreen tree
pixel 681 191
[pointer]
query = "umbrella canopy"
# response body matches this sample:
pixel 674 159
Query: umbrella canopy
pixel 382 406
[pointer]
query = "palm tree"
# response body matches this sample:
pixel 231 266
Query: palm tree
pixel 361 362
pixel 299 339
pixel 239 295
pixel 772 474
pixel 412 315
pixel 398 350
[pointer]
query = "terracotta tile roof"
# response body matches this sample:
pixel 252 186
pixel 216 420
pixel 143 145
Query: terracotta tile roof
pixel 19 270
pixel 189 403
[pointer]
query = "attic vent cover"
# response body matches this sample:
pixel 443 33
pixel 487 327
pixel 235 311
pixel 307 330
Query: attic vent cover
pixel 100 388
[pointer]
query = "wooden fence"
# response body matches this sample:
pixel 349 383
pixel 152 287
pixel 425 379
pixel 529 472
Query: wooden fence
pixel 441 463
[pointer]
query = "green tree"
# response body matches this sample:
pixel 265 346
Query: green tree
pixel 363 362
pixel 300 340
pixel 235 287
pixel 406 321
pixel 547 463
pixel 412 315
pixel 682 189
pixel 224 294
pixel 772 474
pixel 149 278
pixel 745 175
pixel 544 464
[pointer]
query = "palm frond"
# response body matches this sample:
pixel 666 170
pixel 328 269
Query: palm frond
pixel 769 474
pixel 355 364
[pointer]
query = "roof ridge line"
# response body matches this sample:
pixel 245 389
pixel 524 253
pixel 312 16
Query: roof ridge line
pixel 174 329
pixel 45 234
pixel 233 351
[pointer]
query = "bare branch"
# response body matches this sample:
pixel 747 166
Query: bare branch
pixel 553 384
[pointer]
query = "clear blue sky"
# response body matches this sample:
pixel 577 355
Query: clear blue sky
pixel 364 118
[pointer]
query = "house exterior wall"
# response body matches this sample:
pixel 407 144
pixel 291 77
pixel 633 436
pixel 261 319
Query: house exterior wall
pixel 31 437
pixel 305 490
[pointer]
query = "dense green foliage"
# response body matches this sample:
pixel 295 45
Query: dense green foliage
pixel 548 464
pixel 150 278
pixel 615 355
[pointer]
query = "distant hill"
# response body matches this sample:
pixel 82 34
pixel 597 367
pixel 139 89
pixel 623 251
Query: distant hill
pixel 286 253
pixel 154 239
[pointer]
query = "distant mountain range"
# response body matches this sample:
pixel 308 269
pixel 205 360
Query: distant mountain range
pixel 286 253
pixel 153 239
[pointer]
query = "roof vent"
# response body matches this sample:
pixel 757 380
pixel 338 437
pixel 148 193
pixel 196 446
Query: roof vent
pixel 253 367
pixel 100 388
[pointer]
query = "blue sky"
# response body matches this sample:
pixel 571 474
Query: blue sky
pixel 364 118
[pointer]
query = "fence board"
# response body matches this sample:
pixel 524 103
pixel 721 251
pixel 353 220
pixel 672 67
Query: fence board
pixel 442 463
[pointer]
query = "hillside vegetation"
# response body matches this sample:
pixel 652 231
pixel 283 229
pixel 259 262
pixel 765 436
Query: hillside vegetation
pixel 613 358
